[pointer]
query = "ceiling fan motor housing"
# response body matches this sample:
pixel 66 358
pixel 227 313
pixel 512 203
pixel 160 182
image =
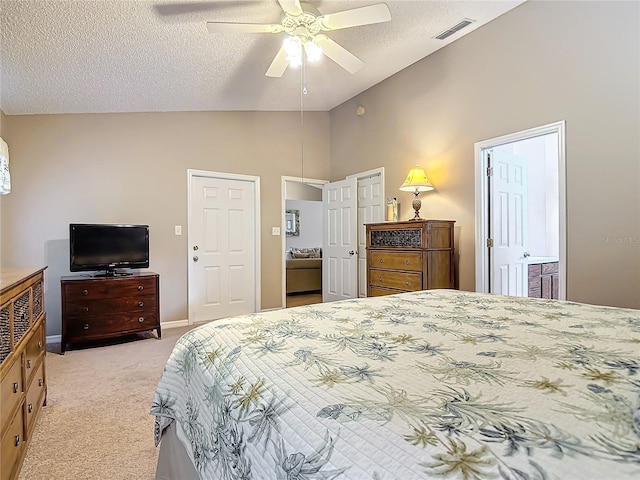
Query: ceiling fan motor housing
pixel 306 25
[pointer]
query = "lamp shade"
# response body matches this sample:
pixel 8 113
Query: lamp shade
pixel 416 181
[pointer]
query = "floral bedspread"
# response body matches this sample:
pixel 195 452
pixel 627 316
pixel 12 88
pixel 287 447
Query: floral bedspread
pixel 436 384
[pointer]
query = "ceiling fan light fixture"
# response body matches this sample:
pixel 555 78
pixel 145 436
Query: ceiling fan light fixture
pixel 293 48
pixel 313 51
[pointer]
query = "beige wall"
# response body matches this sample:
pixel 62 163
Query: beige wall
pixel 539 63
pixel 131 168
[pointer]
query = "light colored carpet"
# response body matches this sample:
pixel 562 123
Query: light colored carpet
pixel 96 424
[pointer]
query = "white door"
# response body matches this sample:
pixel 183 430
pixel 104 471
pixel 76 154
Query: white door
pixel 508 224
pixel 370 210
pixel 339 240
pixel 222 248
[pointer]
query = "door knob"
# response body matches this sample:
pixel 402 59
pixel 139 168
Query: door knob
pixel 351 252
pixel 195 248
pixel 195 258
pixel 526 254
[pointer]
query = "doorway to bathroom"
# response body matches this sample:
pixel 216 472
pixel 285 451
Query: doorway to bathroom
pixel 521 213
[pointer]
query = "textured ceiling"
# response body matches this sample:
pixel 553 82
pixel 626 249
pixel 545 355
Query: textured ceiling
pixel 147 56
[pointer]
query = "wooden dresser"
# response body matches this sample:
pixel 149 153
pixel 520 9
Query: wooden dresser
pixel 409 256
pixel 95 308
pixel 23 385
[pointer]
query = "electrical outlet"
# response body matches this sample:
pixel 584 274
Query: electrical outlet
pixel 275 230
pixel 178 229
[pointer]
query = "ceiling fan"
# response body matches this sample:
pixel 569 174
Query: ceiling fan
pixel 303 24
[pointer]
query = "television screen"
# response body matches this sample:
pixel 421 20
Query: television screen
pixel 108 247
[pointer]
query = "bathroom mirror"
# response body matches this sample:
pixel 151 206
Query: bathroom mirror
pixel 292 222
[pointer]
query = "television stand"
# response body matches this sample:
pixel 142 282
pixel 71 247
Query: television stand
pixel 112 273
pixel 96 308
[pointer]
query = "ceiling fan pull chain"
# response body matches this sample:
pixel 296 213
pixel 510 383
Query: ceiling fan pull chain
pixel 304 76
pixel 303 92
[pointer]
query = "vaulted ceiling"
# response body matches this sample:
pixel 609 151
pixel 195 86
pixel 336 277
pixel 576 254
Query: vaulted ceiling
pixel 93 56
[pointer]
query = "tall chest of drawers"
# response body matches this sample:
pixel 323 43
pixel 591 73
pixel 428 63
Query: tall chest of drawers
pixel 409 256
pixel 22 363
pixel 95 308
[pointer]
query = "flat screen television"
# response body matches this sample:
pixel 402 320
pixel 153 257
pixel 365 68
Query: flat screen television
pixel 108 248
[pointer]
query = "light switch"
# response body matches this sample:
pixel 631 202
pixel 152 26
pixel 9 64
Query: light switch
pixel 178 229
pixel 275 230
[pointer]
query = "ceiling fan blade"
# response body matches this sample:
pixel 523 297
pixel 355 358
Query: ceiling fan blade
pixel 338 54
pixel 228 27
pixel 291 7
pixel 279 64
pixel 355 17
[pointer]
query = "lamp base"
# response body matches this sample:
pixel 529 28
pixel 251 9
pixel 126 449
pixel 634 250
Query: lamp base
pixel 416 204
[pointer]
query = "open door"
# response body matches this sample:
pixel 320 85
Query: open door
pixel 340 240
pixel 508 223
pixel 371 209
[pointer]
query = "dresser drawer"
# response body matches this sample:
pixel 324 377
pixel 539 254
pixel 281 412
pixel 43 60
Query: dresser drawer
pixel 11 390
pixel 411 261
pixel 110 325
pixel 34 348
pixel 11 447
pixel 406 281
pixel 548 268
pixel 87 307
pixel 35 397
pixel 79 292
pixel 535 270
pixel 379 292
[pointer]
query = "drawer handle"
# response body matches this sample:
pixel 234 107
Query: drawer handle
pixel 85 292
pixel 40 344
pixel 140 319
pixel 85 326
pixel 85 309
pixel 382 260
pixel 379 279
pixel 28 363
pixel 140 287
pixel 17 441
pixel 40 382
pixel 16 386
pixel 407 262
pixel 30 407
pixel 141 304
pixel 406 282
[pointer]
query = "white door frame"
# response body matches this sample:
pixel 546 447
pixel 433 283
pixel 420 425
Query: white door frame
pixel 283 241
pixel 256 209
pixel 482 227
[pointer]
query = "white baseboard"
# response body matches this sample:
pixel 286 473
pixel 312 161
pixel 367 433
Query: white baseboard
pixel 271 309
pixel 175 324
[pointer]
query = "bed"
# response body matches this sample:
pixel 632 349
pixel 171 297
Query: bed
pixel 433 384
